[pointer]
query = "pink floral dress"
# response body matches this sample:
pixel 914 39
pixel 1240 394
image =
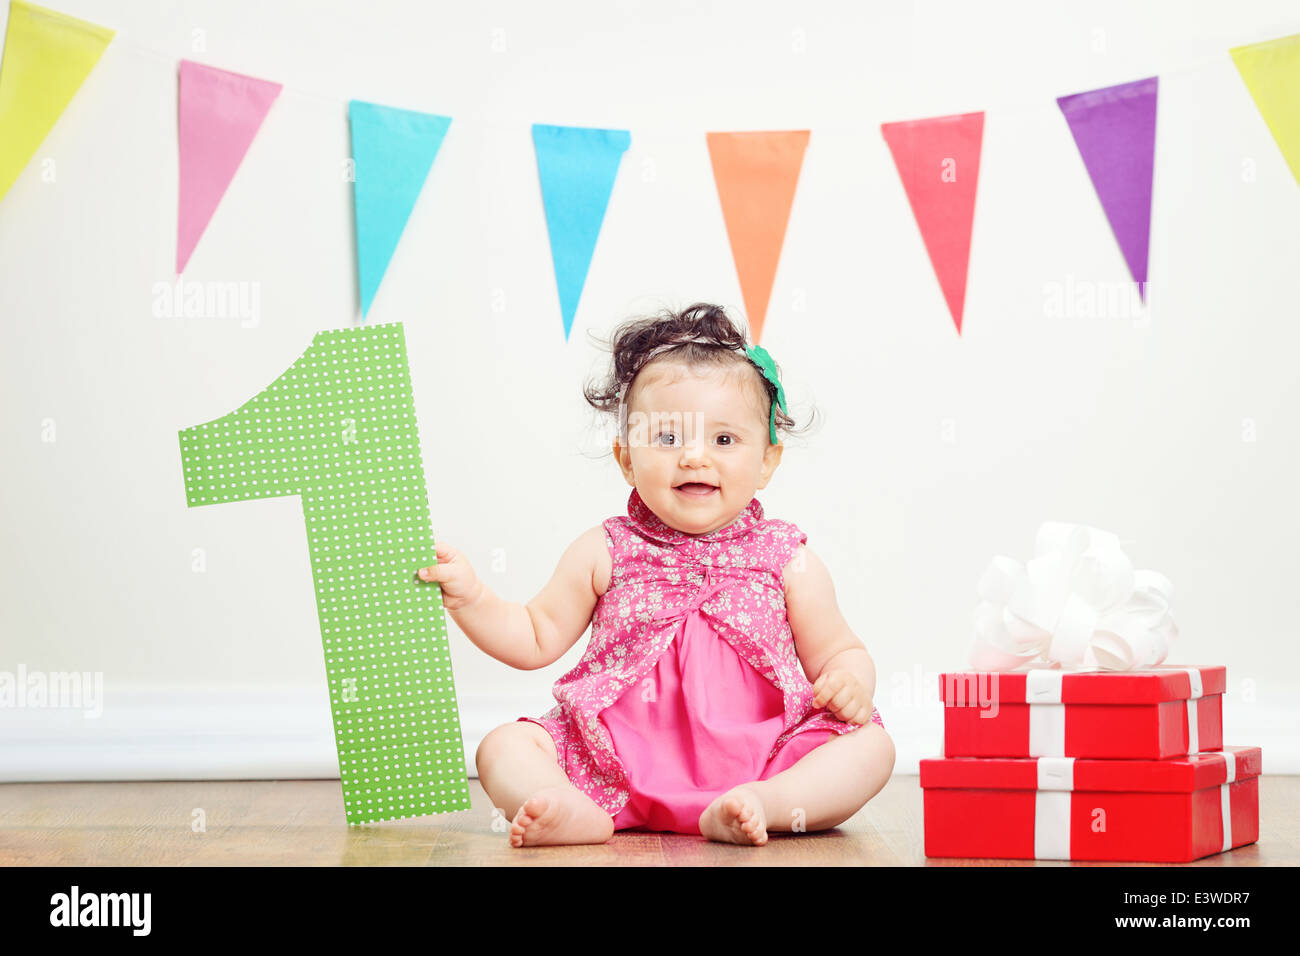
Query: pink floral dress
pixel 690 683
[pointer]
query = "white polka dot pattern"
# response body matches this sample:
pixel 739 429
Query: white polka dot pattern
pixel 339 429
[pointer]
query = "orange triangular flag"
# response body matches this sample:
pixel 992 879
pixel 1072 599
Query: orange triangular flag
pixel 756 175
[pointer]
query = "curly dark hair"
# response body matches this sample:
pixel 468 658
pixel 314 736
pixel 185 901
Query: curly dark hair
pixel 637 341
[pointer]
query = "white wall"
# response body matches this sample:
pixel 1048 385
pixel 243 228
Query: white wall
pixel 1135 426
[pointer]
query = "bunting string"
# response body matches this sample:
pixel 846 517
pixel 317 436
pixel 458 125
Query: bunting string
pixel 864 129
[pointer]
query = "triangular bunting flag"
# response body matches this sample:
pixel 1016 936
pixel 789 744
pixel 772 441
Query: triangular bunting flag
pixel 577 167
pixel 394 151
pixel 1272 74
pixel 938 160
pixel 220 113
pixel 756 174
pixel 1115 130
pixel 47 57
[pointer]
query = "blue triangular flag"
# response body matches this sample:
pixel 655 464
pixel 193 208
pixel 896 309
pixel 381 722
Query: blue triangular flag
pixel 577 166
pixel 393 150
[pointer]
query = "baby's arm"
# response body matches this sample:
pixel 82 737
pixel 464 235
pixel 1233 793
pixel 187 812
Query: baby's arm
pixel 533 635
pixel 824 641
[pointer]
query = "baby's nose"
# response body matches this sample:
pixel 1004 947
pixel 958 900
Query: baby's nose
pixel 694 451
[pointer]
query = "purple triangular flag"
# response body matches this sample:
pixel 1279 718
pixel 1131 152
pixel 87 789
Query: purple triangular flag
pixel 1115 130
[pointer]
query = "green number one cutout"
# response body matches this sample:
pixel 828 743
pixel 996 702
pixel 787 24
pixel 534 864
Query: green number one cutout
pixel 339 429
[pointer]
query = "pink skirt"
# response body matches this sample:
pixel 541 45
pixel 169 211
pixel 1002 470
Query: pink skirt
pixel 701 722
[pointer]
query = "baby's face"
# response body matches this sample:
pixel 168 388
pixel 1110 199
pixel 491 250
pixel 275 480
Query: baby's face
pixel 697 445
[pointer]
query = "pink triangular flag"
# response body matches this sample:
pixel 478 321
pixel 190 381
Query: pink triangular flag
pixel 220 113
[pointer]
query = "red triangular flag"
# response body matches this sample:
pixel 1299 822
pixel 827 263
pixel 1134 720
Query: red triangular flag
pixel 938 160
pixel 220 113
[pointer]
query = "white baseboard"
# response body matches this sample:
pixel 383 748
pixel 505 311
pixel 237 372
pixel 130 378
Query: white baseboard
pixel 268 733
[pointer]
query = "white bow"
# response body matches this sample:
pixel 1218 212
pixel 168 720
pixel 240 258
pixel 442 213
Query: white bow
pixel 1078 604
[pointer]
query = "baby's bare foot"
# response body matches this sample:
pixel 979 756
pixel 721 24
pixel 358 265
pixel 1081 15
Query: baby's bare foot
pixel 736 816
pixel 556 815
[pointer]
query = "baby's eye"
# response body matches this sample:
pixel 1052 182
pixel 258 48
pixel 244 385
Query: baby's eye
pixel 664 437
pixel 730 439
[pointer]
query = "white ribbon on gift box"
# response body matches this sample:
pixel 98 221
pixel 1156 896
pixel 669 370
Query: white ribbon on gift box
pixel 1225 804
pixel 1047 715
pixel 1052 808
pixel 1193 702
pixel 1056 790
pixel 1077 603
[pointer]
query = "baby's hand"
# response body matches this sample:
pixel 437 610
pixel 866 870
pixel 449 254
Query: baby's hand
pixel 460 585
pixel 847 697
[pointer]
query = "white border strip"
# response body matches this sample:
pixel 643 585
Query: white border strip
pixel 268 733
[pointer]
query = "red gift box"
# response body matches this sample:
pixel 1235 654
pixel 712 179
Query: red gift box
pixel 1060 808
pixel 1152 713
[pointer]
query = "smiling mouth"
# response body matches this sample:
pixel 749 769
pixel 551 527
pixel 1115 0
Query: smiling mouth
pixel 696 489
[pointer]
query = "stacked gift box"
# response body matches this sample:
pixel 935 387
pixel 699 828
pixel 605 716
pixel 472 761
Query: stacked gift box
pixel 1056 764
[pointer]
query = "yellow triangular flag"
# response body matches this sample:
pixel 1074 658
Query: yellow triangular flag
pixel 1272 73
pixel 47 57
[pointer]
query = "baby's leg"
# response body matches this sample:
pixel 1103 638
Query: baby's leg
pixel 823 789
pixel 518 769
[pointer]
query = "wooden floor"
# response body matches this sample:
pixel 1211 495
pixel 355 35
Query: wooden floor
pixel 301 823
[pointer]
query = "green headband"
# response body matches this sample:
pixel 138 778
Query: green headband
pixel 758 355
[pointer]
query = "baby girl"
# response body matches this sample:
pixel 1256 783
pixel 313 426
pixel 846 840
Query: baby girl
pixel 721 692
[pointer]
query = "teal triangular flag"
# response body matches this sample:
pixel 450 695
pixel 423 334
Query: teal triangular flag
pixel 393 150
pixel 577 167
